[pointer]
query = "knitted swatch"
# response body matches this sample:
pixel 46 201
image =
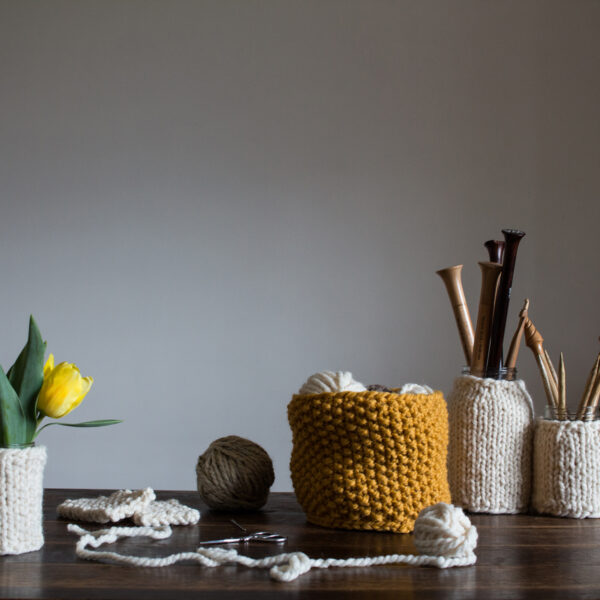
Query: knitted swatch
pixel 368 460
pixel 491 437
pixel 140 505
pixel 566 468
pixel 21 493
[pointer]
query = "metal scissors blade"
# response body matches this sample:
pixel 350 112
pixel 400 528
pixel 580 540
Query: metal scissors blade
pixel 259 536
pixel 263 537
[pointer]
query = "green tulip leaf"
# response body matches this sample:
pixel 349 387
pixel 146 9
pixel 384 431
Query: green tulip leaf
pixel 99 423
pixel 27 375
pixel 13 425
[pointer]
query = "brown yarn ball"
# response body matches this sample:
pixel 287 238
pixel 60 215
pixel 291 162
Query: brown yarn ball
pixel 234 474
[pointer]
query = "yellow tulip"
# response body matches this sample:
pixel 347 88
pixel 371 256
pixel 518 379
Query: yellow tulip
pixel 63 389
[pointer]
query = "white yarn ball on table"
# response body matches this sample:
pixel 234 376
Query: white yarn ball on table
pixel 330 382
pixel 444 530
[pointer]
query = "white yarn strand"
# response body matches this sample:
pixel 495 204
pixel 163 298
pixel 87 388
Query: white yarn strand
pixel 442 529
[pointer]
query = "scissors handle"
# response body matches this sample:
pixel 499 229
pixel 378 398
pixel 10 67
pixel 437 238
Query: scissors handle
pixel 266 537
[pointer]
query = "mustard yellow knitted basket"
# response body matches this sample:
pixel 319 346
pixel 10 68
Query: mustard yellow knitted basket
pixel 368 460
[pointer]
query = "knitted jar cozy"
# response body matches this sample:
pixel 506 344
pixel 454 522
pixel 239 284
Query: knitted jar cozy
pixel 21 492
pixel 566 468
pixel 491 437
pixel 368 460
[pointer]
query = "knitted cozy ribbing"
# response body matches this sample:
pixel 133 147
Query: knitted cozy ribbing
pixel 368 460
pixel 21 494
pixel 490 447
pixel 566 468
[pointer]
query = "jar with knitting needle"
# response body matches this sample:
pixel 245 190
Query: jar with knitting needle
pixel 490 443
pixel 566 465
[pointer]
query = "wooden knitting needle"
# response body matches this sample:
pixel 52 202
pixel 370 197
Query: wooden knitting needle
pixel 513 351
pixel 587 392
pixel 495 250
pixel 489 280
pixel 595 395
pixel 562 389
pixel 551 366
pixel 451 277
pixel 535 341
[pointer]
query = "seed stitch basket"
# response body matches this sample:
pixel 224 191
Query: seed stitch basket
pixel 368 460
pixel 566 468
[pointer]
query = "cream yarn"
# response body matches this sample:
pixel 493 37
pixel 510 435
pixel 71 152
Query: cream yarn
pixel 140 505
pixel 566 468
pixel 331 382
pixel 21 494
pixel 490 445
pixel 442 531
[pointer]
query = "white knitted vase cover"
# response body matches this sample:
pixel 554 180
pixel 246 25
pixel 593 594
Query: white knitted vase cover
pixel 490 445
pixel 21 493
pixel 566 468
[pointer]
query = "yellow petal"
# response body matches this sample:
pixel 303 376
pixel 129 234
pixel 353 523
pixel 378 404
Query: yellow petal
pixel 49 365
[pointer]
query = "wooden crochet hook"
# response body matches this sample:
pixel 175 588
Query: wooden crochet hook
pixel 587 392
pixel 490 272
pixel 513 350
pixel 535 341
pixel 451 277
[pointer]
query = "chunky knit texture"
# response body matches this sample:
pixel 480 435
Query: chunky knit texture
pixel 139 505
pixel 443 534
pixel 491 437
pixel 566 468
pixel 368 460
pixel 21 494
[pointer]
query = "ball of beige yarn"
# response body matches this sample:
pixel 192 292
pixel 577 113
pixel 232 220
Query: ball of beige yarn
pixel 234 474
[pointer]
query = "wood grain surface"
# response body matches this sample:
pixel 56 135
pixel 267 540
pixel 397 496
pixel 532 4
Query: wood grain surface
pixel 518 557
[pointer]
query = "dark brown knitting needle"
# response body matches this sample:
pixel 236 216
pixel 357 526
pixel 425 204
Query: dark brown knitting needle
pixel 489 278
pixel 512 238
pixel 495 250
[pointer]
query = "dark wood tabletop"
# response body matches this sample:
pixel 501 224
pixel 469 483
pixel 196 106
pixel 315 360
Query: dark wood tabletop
pixel 519 556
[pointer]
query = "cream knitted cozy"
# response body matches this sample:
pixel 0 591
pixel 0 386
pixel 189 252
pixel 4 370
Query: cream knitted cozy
pixel 566 468
pixel 21 493
pixel 490 445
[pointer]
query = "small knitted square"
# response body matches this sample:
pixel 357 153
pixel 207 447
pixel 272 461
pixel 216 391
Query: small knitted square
pixel 104 509
pixel 166 512
pixel 140 505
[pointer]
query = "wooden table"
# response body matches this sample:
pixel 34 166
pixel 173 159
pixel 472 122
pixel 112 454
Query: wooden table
pixel 518 557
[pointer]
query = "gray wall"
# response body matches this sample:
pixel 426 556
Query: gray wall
pixel 203 203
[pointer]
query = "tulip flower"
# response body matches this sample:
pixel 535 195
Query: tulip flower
pixel 63 389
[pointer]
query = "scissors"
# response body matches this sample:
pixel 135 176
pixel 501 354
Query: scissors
pixel 257 536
